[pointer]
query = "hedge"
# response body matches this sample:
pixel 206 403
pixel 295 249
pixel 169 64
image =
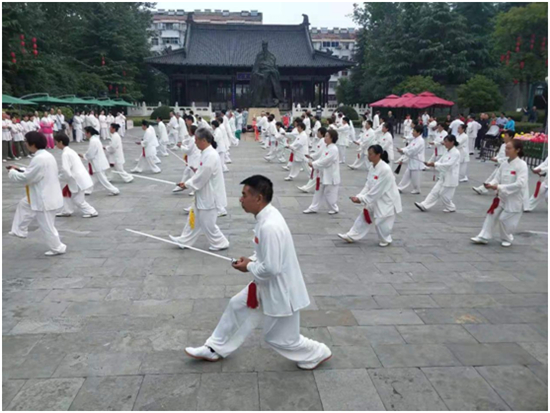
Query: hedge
pixel 525 127
pixel 163 112
pixel 349 112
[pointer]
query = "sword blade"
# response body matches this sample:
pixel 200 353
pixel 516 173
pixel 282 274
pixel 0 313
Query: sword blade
pixel 180 245
pixel 149 179
pixel 176 155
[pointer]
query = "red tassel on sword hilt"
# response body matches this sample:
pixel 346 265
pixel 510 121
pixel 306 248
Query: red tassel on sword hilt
pixel 537 189
pixel 252 298
pixel 367 216
pixel 494 205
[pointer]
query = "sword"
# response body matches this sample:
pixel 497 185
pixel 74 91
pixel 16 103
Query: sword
pixel 150 179
pixel 182 246
pixel 176 155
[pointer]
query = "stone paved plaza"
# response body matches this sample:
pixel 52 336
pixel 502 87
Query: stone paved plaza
pixel 432 322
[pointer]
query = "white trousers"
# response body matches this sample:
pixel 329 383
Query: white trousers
pixel 440 192
pixel 79 135
pixel 146 161
pixel 462 174
pixel 360 161
pixel 187 174
pixel 282 334
pixel 383 226
pixel 472 144
pixel 223 158
pixel 543 193
pixel 125 176
pixel 162 149
pixel 507 223
pixel 296 166
pixel 410 177
pixel 99 176
pixel 45 220
pixel 173 137
pixel 328 193
pixel 103 133
pixel 77 201
pixel 205 222
pixel 342 153
pixel 482 188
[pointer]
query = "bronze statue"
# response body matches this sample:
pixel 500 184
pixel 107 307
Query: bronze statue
pixel 265 82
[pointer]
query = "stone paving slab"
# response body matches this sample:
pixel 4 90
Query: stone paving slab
pixel 432 322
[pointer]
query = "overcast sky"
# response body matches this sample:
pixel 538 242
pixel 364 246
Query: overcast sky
pixel 321 14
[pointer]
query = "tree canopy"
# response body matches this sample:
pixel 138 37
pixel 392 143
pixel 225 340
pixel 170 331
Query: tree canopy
pixel 82 48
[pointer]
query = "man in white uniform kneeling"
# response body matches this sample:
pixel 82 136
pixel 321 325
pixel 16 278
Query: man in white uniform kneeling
pixel 275 296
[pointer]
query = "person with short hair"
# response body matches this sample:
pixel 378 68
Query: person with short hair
pixel 103 126
pixel 276 295
pixel 447 167
pixel 149 145
pixel 162 137
pixel 192 158
pixel 120 120
pixel 463 140
pixel 210 196
pixel 414 154
pixel 500 158
pixel 77 126
pixel 386 142
pixel 221 141
pixel 299 149
pixel 115 153
pixel 472 128
pixel 365 142
pixel 43 194
pixel 507 207
pixel 380 198
pixel 317 150
pixel 46 128
pixel 18 138
pixel 97 161
pixel 76 179
pixel 344 132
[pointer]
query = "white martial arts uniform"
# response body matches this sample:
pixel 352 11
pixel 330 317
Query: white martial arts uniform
pixel 415 165
pixel 262 124
pixel 282 294
pixel 447 168
pixel 381 199
pixel 462 140
pixel 120 120
pixel 43 199
pixel 501 158
pixel 343 141
pixel 543 187
pixel 438 146
pixel 94 122
pixel 149 152
pixel 273 143
pixel 209 187
pixel 511 178
pixel 115 155
pixel 315 154
pixel 77 126
pixel 386 142
pixel 221 148
pixel 454 126
pixel 75 176
pixel 183 132
pixel 366 141
pixel 230 136
pixel 192 158
pixel 328 169
pixel 375 122
pixel 103 127
pixel 472 129
pixel 98 165
pixel 299 150
pixel 173 128
pixel 407 127
pixel 162 139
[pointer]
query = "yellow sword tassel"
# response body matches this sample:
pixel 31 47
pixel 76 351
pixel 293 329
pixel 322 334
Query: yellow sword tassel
pixel 28 194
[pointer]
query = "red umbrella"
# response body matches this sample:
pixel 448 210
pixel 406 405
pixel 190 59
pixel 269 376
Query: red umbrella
pixel 402 101
pixel 387 102
pixel 427 100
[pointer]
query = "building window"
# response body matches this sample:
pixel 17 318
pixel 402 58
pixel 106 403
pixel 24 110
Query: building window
pixel 344 72
pixel 168 26
pixel 155 41
pixel 171 40
pixel 332 85
pixel 326 44
pixel 335 44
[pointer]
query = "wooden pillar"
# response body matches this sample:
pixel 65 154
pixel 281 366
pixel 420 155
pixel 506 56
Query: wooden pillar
pixel 186 91
pixel 291 95
pixel 208 89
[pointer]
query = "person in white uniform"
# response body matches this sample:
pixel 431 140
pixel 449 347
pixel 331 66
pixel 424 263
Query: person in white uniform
pixel 103 126
pixel 93 121
pixel 183 131
pixel 299 150
pixel 115 153
pixel 221 142
pixel 447 168
pixel 541 189
pixel 380 198
pixel 97 161
pixel 500 158
pixel 407 125
pixel 76 180
pixel 43 194
pixel 317 150
pixel 386 142
pixel 173 128
pixel 272 133
pixel 210 197
pixel 344 132
pixel 162 137
pixel 507 207
pixel 276 295
pixel 121 121
pixel 415 162
pixel 327 170
pixel 192 158
pixel 77 126
pixel 463 142
pixel 472 130
pixel 365 142
pixel 149 150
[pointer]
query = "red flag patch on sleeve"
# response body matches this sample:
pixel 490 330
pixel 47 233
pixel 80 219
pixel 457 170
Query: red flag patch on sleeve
pixel 256 240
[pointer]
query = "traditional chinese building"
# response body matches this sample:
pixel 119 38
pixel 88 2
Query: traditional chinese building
pixel 214 65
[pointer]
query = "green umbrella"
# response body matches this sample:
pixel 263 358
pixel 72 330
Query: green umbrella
pixel 48 99
pixel 107 103
pixel 10 100
pixel 75 101
pixel 122 102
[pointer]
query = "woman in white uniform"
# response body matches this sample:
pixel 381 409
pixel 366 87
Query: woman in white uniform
pixel 541 190
pixel 447 168
pixel 103 126
pixel 463 141
pixel 221 143
pixel 327 169
pixel 500 158
pixel 415 162
pixel 344 133
pixel 507 207
pixel 380 198
pixel 364 143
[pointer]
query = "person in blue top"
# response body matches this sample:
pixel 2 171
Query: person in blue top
pixel 510 125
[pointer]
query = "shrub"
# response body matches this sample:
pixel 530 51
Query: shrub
pixel 516 116
pixel 525 127
pixel 162 111
pixel 67 112
pixel 349 112
pixel 479 92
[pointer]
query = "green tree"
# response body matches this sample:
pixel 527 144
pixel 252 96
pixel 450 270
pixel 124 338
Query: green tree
pixel 480 93
pixel 419 84
pixel 344 91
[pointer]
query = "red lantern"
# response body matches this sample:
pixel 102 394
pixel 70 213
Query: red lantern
pixel 14 60
pixel 34 46
pixel 34 39
pixel 516 81
pixel 521 65
pixel 21 36
pixel 110 87
pixel 12 54
pixel 543 44
pixel 35 52
pixel 117 91
pixel 22 44
pixel 502 57
pixel 124 89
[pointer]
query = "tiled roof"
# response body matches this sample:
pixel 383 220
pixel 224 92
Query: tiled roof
pixel 238 44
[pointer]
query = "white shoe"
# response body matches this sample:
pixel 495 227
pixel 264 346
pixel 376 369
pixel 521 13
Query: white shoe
pixel 506 244
pixel 218 249
pixel 449 210
pixel 228 161
pixel 90 215
pixel 191 194
pixel 477 190
pixel 346 238
pixel 327 354
pixel 16 235
pixel 415 192
pixel 202 353
pixel 384 244
pixel 114 193
pixel 177 241
pixel 63 215
pixel 188 209
pixel 479 240
pixel 222 214
pixel 463 180
pixel 351 167
pixel 177 189
pixel 286 168
pixel 332 212
pixel 4 160
pixel 309 211
pixel 301 188
pixel 135 171
pixel 158 172
pixel 420 206
pixel 53 253
pixel 28 156
pixel 288 178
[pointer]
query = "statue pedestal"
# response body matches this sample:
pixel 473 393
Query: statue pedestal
pixel 253 113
